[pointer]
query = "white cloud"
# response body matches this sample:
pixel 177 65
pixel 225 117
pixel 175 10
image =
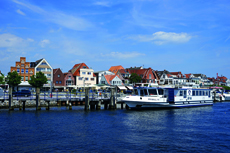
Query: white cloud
pixel 161 37
pixel 9 40
pixel 122 55
pixel 106 4
pixel 44 42
pixel 30 40
pixel 68 21
pixel 20 12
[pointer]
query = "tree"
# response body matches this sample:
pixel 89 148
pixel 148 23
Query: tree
pixel 13 79
pixel 2 78
pixel 134 78
pixel 38 81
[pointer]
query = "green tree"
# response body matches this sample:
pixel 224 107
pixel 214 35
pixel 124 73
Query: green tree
pixel 38 81
pixel 134 78
pixel 13 79
pixel 2 78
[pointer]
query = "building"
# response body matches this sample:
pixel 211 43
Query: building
pixel 43 66
pixel 28 69
pixel 146 75
pixel 83 75
pixel 69 79
pixel 58 79
pixel 99 75
pixel 113 80
pixel 24 69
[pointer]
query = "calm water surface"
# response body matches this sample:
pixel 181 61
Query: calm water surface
pixel 200 129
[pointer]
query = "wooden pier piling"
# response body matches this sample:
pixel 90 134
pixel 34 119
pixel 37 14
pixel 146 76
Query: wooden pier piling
pixel 112 99
pixel 86 99
pixel 70 104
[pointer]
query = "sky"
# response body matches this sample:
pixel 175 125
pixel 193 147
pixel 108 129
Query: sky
pixel 191 36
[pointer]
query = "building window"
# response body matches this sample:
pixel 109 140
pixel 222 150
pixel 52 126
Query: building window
pixel 22 65
pixel 26 78
pixel 56 82
pixel 83 73
pixel 150 77
pixel 26 70
pixel 69 77
pixel 22 79
pixel 59 75
pixel 80 78
pixel 48 75
pixel 86 78
pixel 84 67
pixel 92 79
pixel 43 63
pixel 59 82
pixel 22 70
pixel 89 73
pixel 48 69
pixel 102 82
pixel 18 70
pixel 41 69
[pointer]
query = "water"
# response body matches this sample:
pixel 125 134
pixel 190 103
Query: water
pixel 200 129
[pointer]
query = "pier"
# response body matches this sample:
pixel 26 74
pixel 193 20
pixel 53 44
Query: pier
pixel 91 101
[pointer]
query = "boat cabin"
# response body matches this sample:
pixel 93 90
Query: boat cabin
pixel 175 94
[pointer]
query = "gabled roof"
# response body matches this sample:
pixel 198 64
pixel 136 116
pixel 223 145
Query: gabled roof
pixel 76 68
pixel 169 75
pixel 110 78
pixel 187 75
pixel 115 69
pixel 139 72
pixel 160 73
pixel 55 70
pixel 123 71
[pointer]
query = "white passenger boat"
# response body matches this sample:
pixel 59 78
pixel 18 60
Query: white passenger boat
pixel 153 98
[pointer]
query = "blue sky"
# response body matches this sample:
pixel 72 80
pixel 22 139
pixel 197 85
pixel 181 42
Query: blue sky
pixel 176 35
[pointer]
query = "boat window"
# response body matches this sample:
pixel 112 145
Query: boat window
pixel 145 91
pixel 135 91
pixel 160 91
pixel 141 93
pixel 206 93
pixel 197 94
pixel 181 93
pixel 193 93
pixel 152 92
pixel 185 92
pixel 200 94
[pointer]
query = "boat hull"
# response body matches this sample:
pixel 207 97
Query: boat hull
pixel 165 105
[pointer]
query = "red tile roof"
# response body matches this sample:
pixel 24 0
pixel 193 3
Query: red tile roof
pixel 169 75
pixel 76 68
pixel 139 72
pixel 178 74
pixel 115 69
pixel 187 75
pixel 110 78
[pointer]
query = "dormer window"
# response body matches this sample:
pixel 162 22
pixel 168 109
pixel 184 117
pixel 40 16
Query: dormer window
pixel 84 67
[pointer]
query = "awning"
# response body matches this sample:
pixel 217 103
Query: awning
pixel 122 87
pixel 130 87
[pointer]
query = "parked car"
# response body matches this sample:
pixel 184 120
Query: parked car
pixel 25 93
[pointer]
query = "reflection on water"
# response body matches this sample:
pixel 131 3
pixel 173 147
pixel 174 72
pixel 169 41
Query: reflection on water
pixel 200 129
